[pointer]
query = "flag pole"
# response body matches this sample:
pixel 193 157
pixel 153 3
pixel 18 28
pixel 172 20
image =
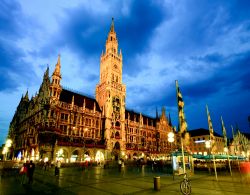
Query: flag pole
pixel 181 126
pixel 235 148
pixel 211 132
pixel 183 160
pixel 225 144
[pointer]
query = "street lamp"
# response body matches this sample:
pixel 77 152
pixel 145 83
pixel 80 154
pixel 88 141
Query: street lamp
pixel 208 146
pixel 171 137
pixel 8 143
pixel 5 151
pixel 171 140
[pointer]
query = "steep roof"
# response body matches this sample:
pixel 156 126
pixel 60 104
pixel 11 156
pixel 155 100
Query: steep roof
pixel 67 95
pixel 200 132
pixel 136 115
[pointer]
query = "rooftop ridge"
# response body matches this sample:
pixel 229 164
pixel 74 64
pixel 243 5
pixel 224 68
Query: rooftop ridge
pixel 78 92
pixel 203 129
pixel 132 110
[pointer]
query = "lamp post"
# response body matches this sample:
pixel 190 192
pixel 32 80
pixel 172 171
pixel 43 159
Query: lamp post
pixel 208 146
pixel 6 148
pixel 171 140
pixel 226 151
pixel 4 152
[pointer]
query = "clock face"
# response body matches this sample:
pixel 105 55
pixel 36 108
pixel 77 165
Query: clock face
pixel 115 66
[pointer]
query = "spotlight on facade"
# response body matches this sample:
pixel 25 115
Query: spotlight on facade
pixel 171 137
pixel 5 150
pixel 208 144
pixel 8 143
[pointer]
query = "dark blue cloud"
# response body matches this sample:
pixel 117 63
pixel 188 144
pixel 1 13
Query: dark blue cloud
pixel 211 58
pixel 226 91
pixel 9 18
pixel 201 23
pixel 85 32
pixel 12 28
pixel 226 76
pixel 137 29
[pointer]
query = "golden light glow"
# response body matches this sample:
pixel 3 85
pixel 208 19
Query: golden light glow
pixel 8 143
pixel 171 137
pixel 208 144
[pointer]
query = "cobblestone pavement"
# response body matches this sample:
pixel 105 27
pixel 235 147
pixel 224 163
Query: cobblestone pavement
pixel 110 181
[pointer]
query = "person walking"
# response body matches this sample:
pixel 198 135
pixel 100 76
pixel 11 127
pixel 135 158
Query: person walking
pixel 23 173
pixel 119 165
pixel 57 168
pixel 31 169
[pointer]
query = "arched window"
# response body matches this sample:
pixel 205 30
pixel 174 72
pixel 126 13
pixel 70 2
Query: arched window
pixel 117 124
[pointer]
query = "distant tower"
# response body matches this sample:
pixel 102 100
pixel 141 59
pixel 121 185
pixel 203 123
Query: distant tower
pixel 111 94
pixel 55 86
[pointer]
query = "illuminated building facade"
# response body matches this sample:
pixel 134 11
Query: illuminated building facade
pixel 58 123
pixel 198 138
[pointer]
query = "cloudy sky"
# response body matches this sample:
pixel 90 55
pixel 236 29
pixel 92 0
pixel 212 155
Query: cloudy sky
pixel 205 45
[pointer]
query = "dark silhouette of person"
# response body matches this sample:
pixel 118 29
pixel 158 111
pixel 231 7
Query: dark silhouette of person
pixel 31 169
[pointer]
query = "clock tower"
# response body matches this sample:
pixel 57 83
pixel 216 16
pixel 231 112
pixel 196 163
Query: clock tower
pixel 111 94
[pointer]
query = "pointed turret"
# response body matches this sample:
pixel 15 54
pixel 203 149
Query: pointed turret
pixel 84 104
pixel 57 71
pixel 55 87
pixel 111 42
pixel 73 102
pixel 26 97
pixel 163 112
pixel 46 80
pixel 44 88
pixel 46 74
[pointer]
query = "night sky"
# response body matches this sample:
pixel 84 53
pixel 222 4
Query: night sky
pixel 205 45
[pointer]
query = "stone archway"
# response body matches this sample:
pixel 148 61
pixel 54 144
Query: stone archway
pixel 62 154
pixel 135 155
pixel 99 157
pixel 86 155
pixel 75 156
pixel 116 150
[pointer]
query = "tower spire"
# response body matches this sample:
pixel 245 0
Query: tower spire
pixel 112 28
pixel 57 70
pixel 26 97
pixel 55 86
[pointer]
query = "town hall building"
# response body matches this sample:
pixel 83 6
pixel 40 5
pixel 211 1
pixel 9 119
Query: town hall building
pixel 61 124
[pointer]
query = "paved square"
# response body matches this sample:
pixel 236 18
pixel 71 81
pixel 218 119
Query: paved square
pixel 99 181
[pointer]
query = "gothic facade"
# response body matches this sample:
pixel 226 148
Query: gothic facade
pixel 58 123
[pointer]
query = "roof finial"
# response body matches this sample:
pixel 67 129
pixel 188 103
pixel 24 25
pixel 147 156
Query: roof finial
pixel 59 59
pixel 112 28
pixel 57 70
